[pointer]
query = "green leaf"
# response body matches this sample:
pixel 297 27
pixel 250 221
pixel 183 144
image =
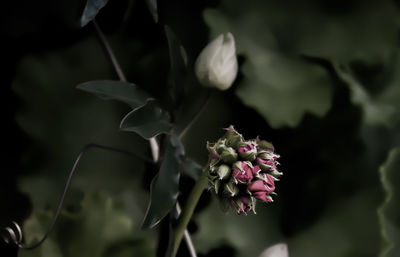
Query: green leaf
pixel 389 212
pixel 178 62
pixel 74 119
pixel 148 121
pixel 382 108
pixel 164 189
pixel 125 92
pixel 152 6
pixel 249 235
pixel 192 168
pixel 342 230
pixel 91 9
pixel 281 86
pixel 100 224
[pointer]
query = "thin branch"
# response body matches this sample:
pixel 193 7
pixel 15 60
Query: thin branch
pixel 18 240
pixel 109 52
pixel 196 117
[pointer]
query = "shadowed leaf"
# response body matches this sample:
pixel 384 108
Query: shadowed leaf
pixel 148 121
pixel 125 92
pixel 382 108
pixel 152 5
pixel 91 9
pixel 164 189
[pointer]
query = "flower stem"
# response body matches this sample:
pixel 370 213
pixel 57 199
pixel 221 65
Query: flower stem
pixel 187 212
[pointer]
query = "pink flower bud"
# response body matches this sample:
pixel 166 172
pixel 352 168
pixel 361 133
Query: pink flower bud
pixel 247 151
pixel 256 170
pixel 244 174
pixel 242 204
pixel 263 196
pixel 266 185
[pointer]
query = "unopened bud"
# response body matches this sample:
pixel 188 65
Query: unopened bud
pixel 247 151
pixel 231 189
pixel 233 138
pixel 262 144
pixel 276 173
pixel 229 155
pixel 224 171
pixel 217 65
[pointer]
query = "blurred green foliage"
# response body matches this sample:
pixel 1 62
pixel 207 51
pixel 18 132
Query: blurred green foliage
pixel 274 37
pixel 389 212
pixel 100 228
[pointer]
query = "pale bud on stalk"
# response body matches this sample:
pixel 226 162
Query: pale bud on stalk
pixel 217 64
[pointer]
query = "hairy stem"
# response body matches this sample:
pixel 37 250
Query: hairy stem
pixel 188 210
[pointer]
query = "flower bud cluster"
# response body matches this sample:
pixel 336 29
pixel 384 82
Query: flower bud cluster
pixel 241 171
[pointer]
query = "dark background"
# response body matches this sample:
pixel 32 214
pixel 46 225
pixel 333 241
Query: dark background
pixel 330 191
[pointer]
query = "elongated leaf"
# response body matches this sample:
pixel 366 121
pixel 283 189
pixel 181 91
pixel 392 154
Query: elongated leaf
pixel 117 90
pixel 148 121
pixel 91 9
pixel 389 212
pixel 164 189
pixel 178 59
pixel 152 5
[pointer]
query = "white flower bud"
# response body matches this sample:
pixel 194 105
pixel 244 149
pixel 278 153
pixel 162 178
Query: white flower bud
pixel 217 65
pixel 278 250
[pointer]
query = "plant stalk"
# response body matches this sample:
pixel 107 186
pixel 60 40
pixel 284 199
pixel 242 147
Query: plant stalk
pixel 188 210
pixel 110 54
pixel 155 149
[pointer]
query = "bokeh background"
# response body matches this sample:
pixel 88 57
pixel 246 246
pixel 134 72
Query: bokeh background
pixel 319 79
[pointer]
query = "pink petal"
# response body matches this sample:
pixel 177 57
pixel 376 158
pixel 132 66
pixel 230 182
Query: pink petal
pixel 262 196
pixel 256 170
pixel 257 185
pixel 242 149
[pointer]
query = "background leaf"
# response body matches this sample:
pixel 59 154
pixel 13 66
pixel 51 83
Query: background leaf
pixel 389 212
pixel 228 230
pixel 125 92
pixel 382 107
pixel 164 189
pixel 92 8
pixel 101 224
pixel 46 85
pixel 148 121
pixel 340 231
pixel 281 86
